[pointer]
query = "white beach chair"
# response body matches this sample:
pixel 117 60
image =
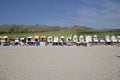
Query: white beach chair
pixel 102 40
pixel 4 41
pixel 75 39
pixel 49 39
pixel 11 41
pixel 88 40
pixel 118 40
pixel 55 40
pixel 17 42
pixel 82 40
pixel 22 41
pixel 69 41
pixel 95 39
pixel 37 38
pixel 62 40
pixel 43 40
pixel 0 39
pixel 114 40
pixel 30 40
pixel 108 40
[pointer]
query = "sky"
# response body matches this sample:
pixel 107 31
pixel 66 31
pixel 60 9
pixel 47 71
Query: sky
pixel 90 13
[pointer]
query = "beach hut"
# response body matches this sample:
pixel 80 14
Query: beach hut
pixel 43 40
pixel 30 40
pixel 108 40
pixel 95 39
pixel 55 40
pixel 4 41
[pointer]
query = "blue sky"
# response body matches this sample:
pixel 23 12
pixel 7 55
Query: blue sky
pixel 91 13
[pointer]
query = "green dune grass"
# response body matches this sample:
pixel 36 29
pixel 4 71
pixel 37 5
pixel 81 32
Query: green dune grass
pixel 16 30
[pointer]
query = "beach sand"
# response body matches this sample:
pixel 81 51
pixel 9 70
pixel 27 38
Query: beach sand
pixel 60 63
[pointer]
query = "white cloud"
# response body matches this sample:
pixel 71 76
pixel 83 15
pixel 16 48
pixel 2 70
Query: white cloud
pixel 105 14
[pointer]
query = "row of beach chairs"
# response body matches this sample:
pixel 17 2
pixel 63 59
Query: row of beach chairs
pixel 61 40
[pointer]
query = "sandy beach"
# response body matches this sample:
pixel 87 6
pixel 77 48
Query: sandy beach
pixel 60 63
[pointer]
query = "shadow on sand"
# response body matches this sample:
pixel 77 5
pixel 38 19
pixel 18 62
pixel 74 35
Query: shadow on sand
pixel 118 56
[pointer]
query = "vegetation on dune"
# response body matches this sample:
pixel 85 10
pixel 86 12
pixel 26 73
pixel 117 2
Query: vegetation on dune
pixel 14 30
pixel 101 32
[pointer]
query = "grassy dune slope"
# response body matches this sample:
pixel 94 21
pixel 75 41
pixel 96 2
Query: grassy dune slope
pixel 43 30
